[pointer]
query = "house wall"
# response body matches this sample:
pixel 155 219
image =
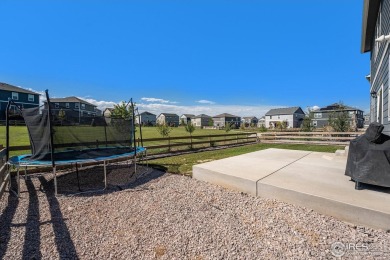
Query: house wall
pixel 146 119
pixel 322 121
pixel 169 120
pixel 380 68
pixel 221 121
pixel 201 121
pixel 279 118
pixel 22 101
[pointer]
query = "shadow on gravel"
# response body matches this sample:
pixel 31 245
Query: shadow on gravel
pixel 65 246
pixel 32 241
pixel 6 220
pixel 90 181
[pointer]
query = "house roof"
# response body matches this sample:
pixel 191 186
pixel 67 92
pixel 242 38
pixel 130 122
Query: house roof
pixel 370 14
pixel 202 115
pixel 188 115
pixel 284 111
pixel 109 109
pixel 337 106
pixel 70 99
pixel 249 117
pixel 168 114
pixel 8 87
pixel 147 113
pixel 225 115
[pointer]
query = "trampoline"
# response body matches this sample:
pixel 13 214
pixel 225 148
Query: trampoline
pixel 64 136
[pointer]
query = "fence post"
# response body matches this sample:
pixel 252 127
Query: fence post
pixel 236 138
pixel 169 143
pixel 210 140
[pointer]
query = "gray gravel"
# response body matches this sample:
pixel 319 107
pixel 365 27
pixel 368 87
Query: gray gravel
pixel 165 216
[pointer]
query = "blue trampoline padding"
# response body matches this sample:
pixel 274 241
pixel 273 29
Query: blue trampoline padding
pixel 23 160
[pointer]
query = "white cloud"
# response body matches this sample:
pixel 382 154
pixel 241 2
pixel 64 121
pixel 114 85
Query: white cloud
pixel 312 108
pixel 158 100
pixel 100 104
pixel 203 101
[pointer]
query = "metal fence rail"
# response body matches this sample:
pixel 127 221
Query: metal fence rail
pixel 4 173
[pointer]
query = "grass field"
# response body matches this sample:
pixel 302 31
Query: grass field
pixel 182 164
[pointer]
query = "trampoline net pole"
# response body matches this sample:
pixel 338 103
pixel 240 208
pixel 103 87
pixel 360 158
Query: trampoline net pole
pixel 7 128
pixel 51 129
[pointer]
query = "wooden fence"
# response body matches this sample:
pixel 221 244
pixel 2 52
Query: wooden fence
pixel 181 143
pixel 4 173
pixel 318 138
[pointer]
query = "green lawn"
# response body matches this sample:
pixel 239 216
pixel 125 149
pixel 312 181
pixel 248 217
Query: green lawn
pixel 182 164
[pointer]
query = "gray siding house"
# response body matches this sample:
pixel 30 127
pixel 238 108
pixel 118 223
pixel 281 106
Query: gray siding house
pixel 375 39
pixel 22 97
pixel 320 117
pixel 73 106
pixel 201 120
pixel 186 118
pixel 168 119
pixel 249 120
pixel 293 116
pixel 222 119
pixel 146 118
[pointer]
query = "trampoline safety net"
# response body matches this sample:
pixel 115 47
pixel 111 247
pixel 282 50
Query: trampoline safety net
pixel 77 133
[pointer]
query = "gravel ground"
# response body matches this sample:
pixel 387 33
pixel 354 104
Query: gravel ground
pixel 165 216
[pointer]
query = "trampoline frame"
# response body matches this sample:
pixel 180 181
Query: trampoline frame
pixel 19 164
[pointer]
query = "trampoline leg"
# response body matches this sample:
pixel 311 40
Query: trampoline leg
pixel 55 181
pixel 78 178
pixel 25 172
pixel 105 174
pixel 18 181
pixel 135 164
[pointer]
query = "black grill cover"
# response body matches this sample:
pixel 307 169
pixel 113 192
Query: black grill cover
pixel 369 157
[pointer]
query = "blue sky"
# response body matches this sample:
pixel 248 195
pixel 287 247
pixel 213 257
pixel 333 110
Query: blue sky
pixel 240 57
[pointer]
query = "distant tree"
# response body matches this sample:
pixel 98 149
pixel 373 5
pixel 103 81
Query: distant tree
pixel 262 128
pixel 339 119
pixel 282 125
pixel 307 124
pixel 61 116
pixel 190 128
pixel 182 122
pixel 228 127
pixel 122 110
pixel 211 122
pixel 164 130
pixel 242 126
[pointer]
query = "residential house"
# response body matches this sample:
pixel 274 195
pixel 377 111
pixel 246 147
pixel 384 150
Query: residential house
pixel 108 111
pixel 22 97
pixel 249 121
pixel 366 120
pixel 202 120
pixel 146 118
pixel 222 119
pixel 320 117
pixel 375 39
pixel 73 107
pixel 261 122
pixel 292 116
pixel 186 118
pixel 168 119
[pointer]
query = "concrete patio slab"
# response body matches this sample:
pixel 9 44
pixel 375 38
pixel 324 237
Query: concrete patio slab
pixel 242 172
pixel 309 179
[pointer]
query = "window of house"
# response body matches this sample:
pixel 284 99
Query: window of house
pixel 82 106
pixel 56 105
pixel 76 105
pixel 30 98
pixel 314 123
pixel 270 117
pixel 378 31
pixel 15 96
pixel 67 105
pixel 317 115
